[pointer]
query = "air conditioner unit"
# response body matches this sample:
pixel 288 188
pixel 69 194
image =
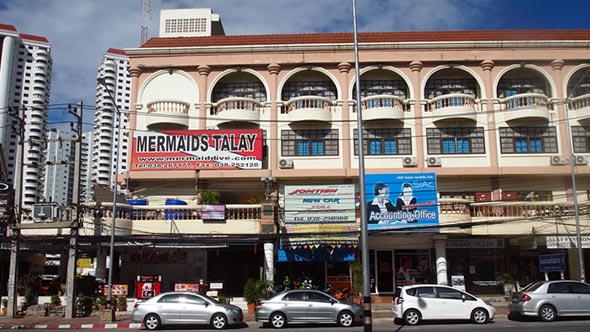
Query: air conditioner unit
pixel 557 160
pixel 45 213
pixel 581 160
pixel 410 161
pixel 285 163
pixel 434 161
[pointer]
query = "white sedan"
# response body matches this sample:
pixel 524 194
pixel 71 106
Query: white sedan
pixel 415 303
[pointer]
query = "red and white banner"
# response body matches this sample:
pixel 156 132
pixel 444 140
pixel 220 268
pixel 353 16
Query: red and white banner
pixel 197 149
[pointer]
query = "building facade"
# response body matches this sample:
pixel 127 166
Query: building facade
pixel 479 123
pixel 58 183
pixel 25 83
pixel 488 112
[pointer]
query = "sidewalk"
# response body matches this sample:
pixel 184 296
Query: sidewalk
pixel 380 312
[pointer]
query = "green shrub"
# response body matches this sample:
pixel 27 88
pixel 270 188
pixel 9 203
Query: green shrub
pixel 55 299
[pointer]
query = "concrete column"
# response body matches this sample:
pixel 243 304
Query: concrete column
pixel 487 66
pixel 416 67
pixel 5 70
pixel 204 72
pixel 134 72
pixel 440 243
pixel 269 263
pixel 101 263
pixel 273 136
pixel 344 69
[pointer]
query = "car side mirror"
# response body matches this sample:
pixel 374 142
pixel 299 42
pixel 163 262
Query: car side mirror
pixel 332 301
pixel 206 304
pixel 463 297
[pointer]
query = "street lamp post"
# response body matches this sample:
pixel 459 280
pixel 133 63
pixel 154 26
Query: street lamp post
pixel 367 319
pixel 268 182
pixel 116 126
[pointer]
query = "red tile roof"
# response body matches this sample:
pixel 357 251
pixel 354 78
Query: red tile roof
pixel 7 27
pixel 370 37
pixel 33 38
pixel 116 51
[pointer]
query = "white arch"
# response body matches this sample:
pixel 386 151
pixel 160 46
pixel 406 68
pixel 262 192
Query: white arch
pixel 300 69
pixel 533 67
pixel 389 68
pixel 571 74
pixel 237 70
pixel 162 72
pixel 473 74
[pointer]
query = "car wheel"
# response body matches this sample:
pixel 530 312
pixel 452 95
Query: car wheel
pixel 412 317
pixel 278 320
pixel 479 316
pixel 345 319
pixel 547 313
pixel 152 322
pixel 219 321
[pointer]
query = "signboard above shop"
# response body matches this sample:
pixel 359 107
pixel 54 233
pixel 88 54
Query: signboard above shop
pixel 406 201
pixel 196 150
pixel 566 242
pixel 320 204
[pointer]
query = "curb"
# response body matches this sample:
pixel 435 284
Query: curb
pixel 73 326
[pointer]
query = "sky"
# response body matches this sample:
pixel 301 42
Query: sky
pixel 81 31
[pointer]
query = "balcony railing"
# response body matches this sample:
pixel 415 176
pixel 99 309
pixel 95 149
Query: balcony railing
pixel 168 106
pixel 178 212
pixel 236 104
pixel 173 113
pixel 526 106
pixel 526 210
pixel 579 102
pixel 581 105
pixel 382 107
pixel 453 106
pixel 237 109
pixel 309 108
pixel 451 100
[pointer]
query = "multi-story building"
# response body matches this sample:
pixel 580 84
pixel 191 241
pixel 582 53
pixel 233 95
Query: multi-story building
pixel 477 123
pixel 489 113
pixel 110 119
pixel 58 182
pixel 25 81
pixel 86 167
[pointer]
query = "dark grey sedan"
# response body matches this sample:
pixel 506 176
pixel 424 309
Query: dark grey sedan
pixel 307 306
pixel 184 308
pixel 550 299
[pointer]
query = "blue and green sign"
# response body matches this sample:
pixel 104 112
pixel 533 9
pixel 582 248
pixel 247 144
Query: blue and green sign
pixel 401 201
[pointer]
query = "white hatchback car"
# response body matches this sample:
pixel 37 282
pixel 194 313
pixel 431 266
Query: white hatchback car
pixel 415 303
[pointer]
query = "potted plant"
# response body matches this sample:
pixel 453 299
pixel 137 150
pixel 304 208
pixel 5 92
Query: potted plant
pixel 208 197
pixel 356 278
pixel 101 302
pixel 122 303
pixel 254 289
pixel 508 282
pixel 55 301
pixel 4 306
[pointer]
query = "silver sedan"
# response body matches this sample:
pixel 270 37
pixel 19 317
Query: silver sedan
pixel 185 308
pixel 307 306
pixel 550 299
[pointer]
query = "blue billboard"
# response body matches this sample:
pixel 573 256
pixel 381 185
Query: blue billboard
pixel 405 202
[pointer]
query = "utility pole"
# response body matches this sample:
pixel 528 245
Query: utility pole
pixel 73 247
pixel 14 230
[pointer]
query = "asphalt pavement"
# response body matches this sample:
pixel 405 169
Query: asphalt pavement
pixel 379 312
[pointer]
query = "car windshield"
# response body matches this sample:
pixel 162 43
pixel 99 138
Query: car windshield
pixel 532 287
pixel 209 298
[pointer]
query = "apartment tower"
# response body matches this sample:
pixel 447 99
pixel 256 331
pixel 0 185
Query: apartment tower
pixel 25 82
pixel 111 115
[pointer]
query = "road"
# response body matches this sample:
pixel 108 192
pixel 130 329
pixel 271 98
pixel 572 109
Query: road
pixel 383 325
